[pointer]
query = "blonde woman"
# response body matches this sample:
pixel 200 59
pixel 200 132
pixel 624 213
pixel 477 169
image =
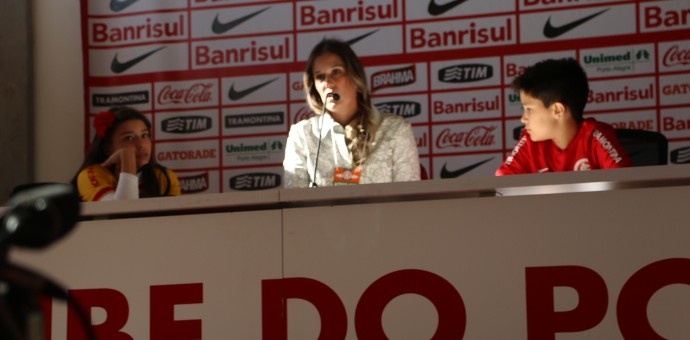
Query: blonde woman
pixel 349 141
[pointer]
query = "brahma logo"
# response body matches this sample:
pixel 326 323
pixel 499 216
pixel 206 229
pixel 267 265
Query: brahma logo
pixel 119 99
pixel 187 124
pixel 255 119
pixel 393 78
pixel 196 94
pixel 194 184
pixel 405 109
pixel 465 73
pixel 255 181
pixel 676 56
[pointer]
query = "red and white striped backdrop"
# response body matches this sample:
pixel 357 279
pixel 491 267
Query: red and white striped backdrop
pixel 221 79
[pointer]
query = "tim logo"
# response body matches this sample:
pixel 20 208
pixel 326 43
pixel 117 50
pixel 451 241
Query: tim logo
pixel 465 73
pixel 405 109
pixel 393 78
pixel 187 124
pixel 681 156
pixel 255 181
pixel 194 184
pixel 118 99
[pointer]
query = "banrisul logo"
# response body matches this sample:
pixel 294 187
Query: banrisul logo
pixel 393 78
pixel 255 181
pixel 255 119
pixel 194 184
pixel 405 109
pixel 187 124
pixel 465 73
pixel 118 99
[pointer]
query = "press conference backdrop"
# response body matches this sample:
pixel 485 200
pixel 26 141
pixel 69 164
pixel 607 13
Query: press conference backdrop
pixel 221 79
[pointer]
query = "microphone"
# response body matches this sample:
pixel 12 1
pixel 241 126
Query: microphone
pixel 36 217
pixel 335 96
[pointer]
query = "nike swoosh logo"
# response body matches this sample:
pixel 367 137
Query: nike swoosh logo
pixel 445 173
pixel 357 39
pixel 117 6
pixel 237 95
pixel 436 9
pixel 220 27
pixel 118 67
pixel 551 31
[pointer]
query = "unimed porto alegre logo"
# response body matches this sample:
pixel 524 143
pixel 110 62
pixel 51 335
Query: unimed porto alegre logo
pixel 465 73
pixel 255 181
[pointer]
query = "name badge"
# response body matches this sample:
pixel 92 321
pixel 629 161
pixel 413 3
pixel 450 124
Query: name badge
pixel 343 176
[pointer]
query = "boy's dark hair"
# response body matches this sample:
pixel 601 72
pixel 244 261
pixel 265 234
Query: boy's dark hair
pixel 556 80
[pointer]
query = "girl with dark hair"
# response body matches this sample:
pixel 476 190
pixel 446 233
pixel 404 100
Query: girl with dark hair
pixel 119 163
pixel 358 144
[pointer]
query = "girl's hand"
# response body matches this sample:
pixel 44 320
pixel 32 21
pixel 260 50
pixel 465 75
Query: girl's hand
pixel 124 160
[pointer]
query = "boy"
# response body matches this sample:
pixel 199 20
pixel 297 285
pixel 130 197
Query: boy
pixel 556 137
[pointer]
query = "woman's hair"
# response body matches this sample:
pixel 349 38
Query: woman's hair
pixel 361 132
pixel 97 152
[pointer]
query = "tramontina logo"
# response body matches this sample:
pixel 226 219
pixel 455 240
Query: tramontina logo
pixel 119 99
pixel 465 73
pixel 255 119
pixel 405 109
pixel 187 124
pixel 255 181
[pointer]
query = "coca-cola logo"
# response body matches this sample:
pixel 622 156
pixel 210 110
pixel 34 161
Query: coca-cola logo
pixel 195 94
pixel 302 114
pixel 478 136
pixel 676 56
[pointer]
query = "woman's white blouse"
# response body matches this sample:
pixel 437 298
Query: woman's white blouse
pixel 394 158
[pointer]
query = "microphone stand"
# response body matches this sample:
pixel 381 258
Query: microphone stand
pixel 335 96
